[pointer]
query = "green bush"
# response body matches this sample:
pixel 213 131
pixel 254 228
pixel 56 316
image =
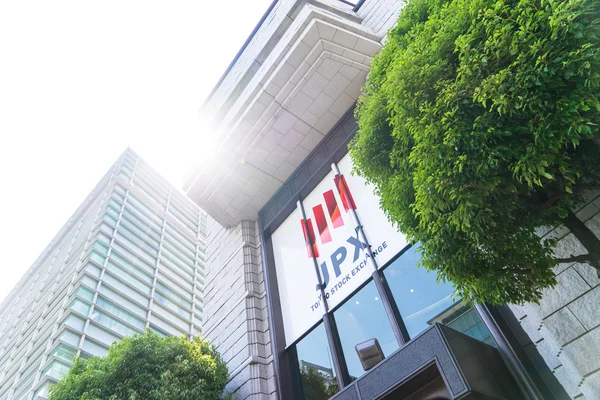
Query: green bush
pixel 147 367
pixel 476 128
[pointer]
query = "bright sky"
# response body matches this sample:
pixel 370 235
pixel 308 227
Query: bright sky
pixel 80 81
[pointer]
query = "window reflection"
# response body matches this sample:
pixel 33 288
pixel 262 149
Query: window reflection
pixel 361 318
pixel 316 366
pixel 467 320
pixel 418 295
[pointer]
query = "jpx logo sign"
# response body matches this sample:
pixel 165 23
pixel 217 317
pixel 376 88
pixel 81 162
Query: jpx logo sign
pixel 324 243
pixel 346 256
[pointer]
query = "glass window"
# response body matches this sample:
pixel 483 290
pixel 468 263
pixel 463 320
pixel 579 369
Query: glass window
pixel 74 322
pixel 56 369
pixel 120 189
pixel 80 307
pixel 197 320
pixel 119 312
pixel 419 296
pixel 106 229
pixel 173 294
pixel 103 238
pixel 101 247
pixel 128 277
pixel 63 351
pixel 140 206
pixel 124 290
pixel 316 366
pixel 112 324
pixel 85 293
pixel 97 257
pixel 113 213
pixel 135 248
pixel 69 337
pixel 158 331
pixel 92 269
pixel 131 259
pixel 465 319
pixel 169 304
pixel 361 318
pixel 116 205
pixel 124 302
pixel 128 266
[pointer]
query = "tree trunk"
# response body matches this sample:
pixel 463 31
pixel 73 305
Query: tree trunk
pixel 587 238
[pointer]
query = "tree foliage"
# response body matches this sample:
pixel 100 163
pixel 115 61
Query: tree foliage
pixel 147 367
pixel 476 127
pixel 316 385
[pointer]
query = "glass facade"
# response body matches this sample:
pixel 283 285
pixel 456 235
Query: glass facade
pixel 416 292
pixel 360 318
pixel 135 242
pixel 316 366
pixel 342 267
pixel 420 300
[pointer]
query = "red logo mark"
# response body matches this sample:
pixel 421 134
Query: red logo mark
pixel 334 212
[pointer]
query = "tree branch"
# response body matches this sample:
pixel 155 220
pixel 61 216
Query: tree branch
pixel 580 259
pixel 557 196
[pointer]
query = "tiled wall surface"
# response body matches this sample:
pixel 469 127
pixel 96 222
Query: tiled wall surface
pixel 565 326
pixel 380 15
pixel 236 310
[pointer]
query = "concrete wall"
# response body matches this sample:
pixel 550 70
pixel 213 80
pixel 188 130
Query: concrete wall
pixel 235 312
pixel 565 326
pixel 380 15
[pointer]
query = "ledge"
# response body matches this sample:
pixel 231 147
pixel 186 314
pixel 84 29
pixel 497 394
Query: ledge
pixel 296 96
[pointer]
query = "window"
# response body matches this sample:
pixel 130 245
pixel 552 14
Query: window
pixel 80 307
pixel 74 322
pixel 173 294
pixel 112 324
pixel 168 303
pixel 119 312
pixel 416 291
pixel 360 318
pixel 92 269
pixel 128 277
pixel 316 366
pixel 97 257
pixel 85 293
pixel 101 247
pixel 467 320
pixel 131 268
pixel 56 369
pixel 69 337
pixel 63 351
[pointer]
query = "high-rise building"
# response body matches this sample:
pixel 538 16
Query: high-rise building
pixel 130 258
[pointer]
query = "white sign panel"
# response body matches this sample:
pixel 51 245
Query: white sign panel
pixel 378 230
pixel 296 278
pixel 329 237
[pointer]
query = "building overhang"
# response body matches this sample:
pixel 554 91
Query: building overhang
pixel 273 109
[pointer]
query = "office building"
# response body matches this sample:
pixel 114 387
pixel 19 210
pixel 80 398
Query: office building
pixel 289 233
pixel 130 258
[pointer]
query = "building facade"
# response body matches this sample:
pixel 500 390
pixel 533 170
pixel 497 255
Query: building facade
pixel 130 258
pixel 303 270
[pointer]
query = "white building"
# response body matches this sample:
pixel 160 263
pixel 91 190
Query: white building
pixel 283 115
pixel 130 258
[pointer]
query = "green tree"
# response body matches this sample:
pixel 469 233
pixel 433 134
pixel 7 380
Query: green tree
pixel 147 367
pixel 476 127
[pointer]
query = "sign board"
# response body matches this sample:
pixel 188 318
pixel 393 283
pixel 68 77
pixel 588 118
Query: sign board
pixel 329 237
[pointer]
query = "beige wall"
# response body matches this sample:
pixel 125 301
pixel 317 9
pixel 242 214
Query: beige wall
pixel 565 326
pixel 235 313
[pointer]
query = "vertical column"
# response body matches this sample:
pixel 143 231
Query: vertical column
pixel 333 338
